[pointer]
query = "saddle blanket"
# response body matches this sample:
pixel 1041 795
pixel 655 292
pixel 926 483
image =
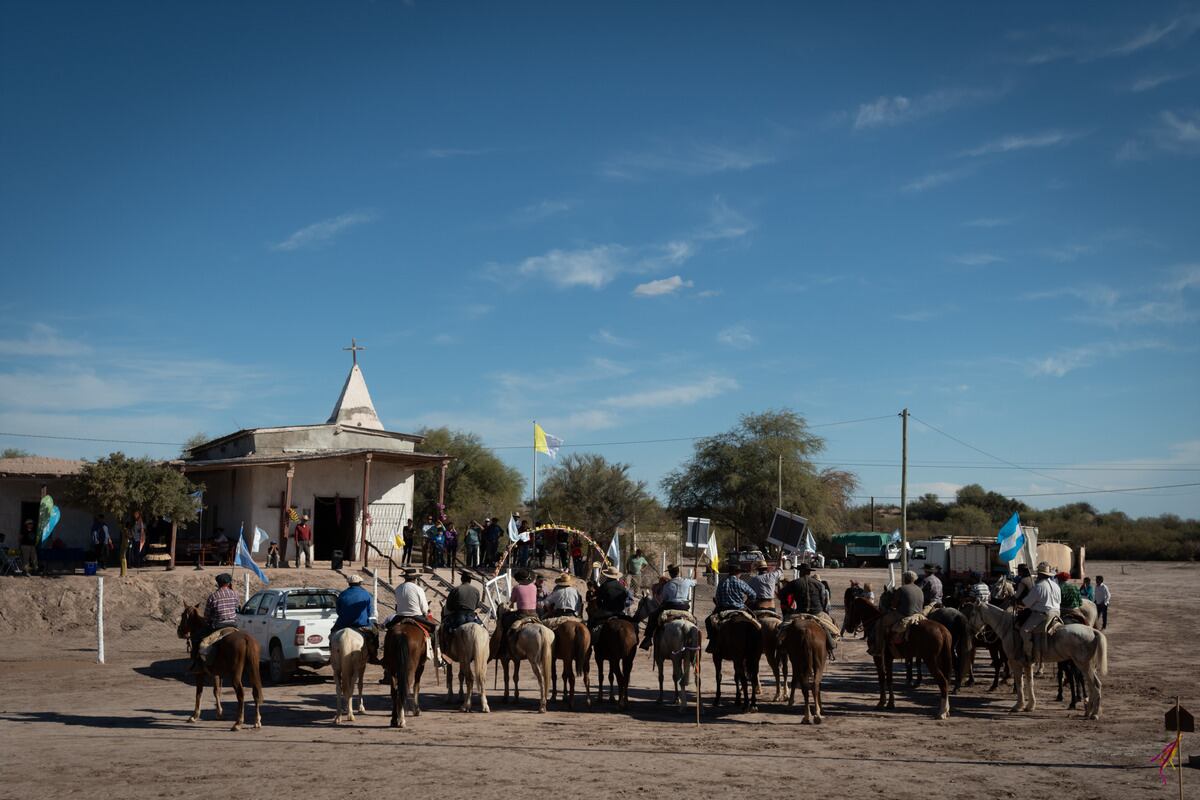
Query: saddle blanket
pixel 900 630
pixel 554 623
pixel 522 622
pixel 824 621
pixel 207 642
pixel 724 616
pixel 672 615
pixel 767 613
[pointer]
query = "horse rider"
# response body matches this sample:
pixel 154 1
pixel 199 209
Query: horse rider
pixel 908 602
pixel 220 611
pixel 413 605
pixel 675 595
pixel 979 590
pixel 355 608
pixel 564 601
pixel 806 594
pixel 931 589
pixel 764 583
pixel 1024 584
pixel 524 604
pixel 1072 598
pixel 1044 601
pixel 611 598
pixel 732 594
pixel 462 605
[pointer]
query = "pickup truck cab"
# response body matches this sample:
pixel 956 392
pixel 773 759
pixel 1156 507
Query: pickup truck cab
pixel 292 627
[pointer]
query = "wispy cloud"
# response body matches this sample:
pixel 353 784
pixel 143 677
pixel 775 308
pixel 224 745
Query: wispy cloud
pixel 1083 45
pixel 689 160
pixel 1011 143
pixel 738 337
pixel 1147 83
pixel 976 259
pixel 1068 252
pixel 42 341
pixel 679 395
pixel 536 212
pixel 324 231
pixel 925 314
pixel 1070 359
pixel 1179 132
pixel 454 152
pixel 1095 295
pixel 886 111
pixel 1162 304
pixel 593 267
pixel 604 336
pixel 661 287
pixel 934 180
pixel 988 222
pixel 1185 276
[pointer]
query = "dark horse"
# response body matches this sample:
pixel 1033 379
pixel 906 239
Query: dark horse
pixel 803 641
pixel 926 640
pixel 404 661
pixel 615 641
pixel 739 640
pixel 234 655
pixel 572 643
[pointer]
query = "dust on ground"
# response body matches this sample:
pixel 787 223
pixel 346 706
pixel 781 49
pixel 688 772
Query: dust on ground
pixel 70 727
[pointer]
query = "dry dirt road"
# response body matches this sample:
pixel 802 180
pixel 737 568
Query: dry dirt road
pixel 70 727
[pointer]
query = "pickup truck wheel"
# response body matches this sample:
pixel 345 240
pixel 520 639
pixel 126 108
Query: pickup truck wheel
pixel 276 669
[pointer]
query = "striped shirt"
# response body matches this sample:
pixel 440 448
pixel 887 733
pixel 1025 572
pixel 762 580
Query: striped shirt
pixel 732 593
pixel 221 607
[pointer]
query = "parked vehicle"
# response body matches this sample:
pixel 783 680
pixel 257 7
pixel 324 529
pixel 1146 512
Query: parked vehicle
pixel 292 627
pixel 959 556
pixel 863 548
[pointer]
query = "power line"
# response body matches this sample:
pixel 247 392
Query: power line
pixel 1061 494
pixel 87 439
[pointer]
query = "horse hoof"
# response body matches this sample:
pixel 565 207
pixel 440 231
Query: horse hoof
pixel 237 726
pixel 817 720
pixel 541 709
pixel 806 721
pixel 192 719
pixel 485 710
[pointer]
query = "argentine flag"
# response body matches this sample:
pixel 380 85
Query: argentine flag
pixel 1011 539
pixel 244 559
pixel 614 550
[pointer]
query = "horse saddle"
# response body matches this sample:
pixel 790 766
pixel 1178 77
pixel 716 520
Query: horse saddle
pixel 554 623
pixel 734 613
pixel 206 644
pixel 1074 616
pixel 767 613
pixel 902 627
pixel 673 615
pixel 820 619
pixel 521 622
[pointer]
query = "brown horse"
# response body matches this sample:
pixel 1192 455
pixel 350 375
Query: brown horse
pixel 572 644
pixel 738 640
pixel 615 641
pixel 776 659
pixel 404 660
pixel 803 641
pixel 926 640
pixel 234 655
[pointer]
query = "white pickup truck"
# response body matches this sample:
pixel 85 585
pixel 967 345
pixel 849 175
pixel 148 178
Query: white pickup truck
pixel 292 627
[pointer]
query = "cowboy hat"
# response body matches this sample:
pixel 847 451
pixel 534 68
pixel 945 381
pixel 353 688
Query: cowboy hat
pixel 761 564
pixel 803 569
pixel 411 572
pixel 611 572
pixel 929 567
pixel 1045 570
pixel 563 580
pixel 354 580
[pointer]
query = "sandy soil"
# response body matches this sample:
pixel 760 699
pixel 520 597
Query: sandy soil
pixel 70 727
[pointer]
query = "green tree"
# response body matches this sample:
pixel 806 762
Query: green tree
pixel 478 484
pixel 118 485
pixel 998 507
pixel 927 507
pixel 15 452
pixel 733 477
pixel 968 521
pixel 193 441
pixel 585 491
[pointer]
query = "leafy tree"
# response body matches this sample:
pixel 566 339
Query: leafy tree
pixel 927 507
pixel 193 441
pixel 968 521
pixel 15 452
pixel 733 477
pixel 478 484
pixel 998 507
pixel 585 491
pixel 118 485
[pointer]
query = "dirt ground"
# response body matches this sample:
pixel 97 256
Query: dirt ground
pixel 70 727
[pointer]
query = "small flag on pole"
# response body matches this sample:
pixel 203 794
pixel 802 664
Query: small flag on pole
pixel 244 559
pixel 544 442
pixel 895 536
pixel 1011 538
pixel 399 540
pixel 614 550
pixel 714 557
pixel 260 538
pixel 514 531
pixel 810 544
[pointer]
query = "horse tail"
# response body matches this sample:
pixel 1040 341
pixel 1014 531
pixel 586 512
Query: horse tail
pixel 400 669
pixel 1101 653
pixel 580 656
pixel 946 658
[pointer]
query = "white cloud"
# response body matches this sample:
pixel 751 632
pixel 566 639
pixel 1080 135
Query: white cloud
pixel 898 109
pixel 607 337
pixel 323 231
pixel 1083 45
pixel 1179 28
pixel 976 259
pixel 1011 143
pixel 1149 82
pixel 1186 276
pixel 736 336
pixel 578 421
pixel 593 267
pixel 933 180
pixel 454 152
pixel 689 160
pixel 1070 359
pixel 1095 295
pixel 661 287
pixel 882 111
pixel 1068 252
pixel 709 293
pixel 1179 132
pixel 682 395
pixel 724 222
pixel 1162 305
pixel 536 212
pixel 42 341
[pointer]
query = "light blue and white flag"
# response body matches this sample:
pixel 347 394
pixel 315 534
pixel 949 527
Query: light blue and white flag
pixel 1011 539
pixel 895 536
pixel 260 538
pixel 810 544
pixel 244 559
pixel 614 550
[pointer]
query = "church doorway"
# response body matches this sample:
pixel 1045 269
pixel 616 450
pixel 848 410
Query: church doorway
pixel 334 521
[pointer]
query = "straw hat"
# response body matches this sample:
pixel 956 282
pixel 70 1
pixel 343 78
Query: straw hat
pixel 611 572
pixel 563 580
pixel 354 580
pixel 761 565
pixel 1044 570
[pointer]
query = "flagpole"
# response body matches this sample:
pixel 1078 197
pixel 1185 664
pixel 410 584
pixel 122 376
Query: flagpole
pixel 533 510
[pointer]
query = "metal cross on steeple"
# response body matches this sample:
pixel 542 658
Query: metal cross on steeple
pixel 354 348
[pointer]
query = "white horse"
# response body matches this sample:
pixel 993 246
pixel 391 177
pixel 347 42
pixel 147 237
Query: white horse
pixel 1084 646
pixel 348 657
pixel 679 641
pixel 467 646
pixel 533 642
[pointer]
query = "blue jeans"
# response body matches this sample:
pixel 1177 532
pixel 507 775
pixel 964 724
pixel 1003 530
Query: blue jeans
pixel 1103 616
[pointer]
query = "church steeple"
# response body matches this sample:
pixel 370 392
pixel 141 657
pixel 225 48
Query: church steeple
pixel 354 408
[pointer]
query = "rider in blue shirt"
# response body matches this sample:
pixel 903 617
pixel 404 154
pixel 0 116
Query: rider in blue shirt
pixel 355 608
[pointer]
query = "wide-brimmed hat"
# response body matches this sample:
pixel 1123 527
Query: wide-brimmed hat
pixel 563 580
pixel 411 572
pixel 761 564
pixel 304 517
pixel 611 572
pixel 354 580
pixel 929 567
pixel 804 569
pixel 1045 570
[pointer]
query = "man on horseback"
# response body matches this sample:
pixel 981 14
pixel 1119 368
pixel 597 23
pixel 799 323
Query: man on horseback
pixel 413 605
pixel 612 598
pixel 732 594
pixel 931 589
pixel 764 584
pixel 1044 601
pixel 807 595
pixel 564 601
pixel 462 605
pixel 1024 584
pixel 220 611
pixel 675 595
pixel 524 604
pixel 355 608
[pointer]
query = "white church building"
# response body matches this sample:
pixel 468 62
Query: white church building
pixel 332 471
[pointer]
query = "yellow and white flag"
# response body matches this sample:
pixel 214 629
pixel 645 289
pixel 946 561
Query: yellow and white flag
pixel 714 558
pixel 544 442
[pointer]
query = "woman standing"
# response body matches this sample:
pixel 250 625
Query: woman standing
pixel 451 545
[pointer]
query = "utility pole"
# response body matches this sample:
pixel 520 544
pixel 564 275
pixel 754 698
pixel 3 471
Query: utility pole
pixel 904 490
pixel 872 515
pixel 780 481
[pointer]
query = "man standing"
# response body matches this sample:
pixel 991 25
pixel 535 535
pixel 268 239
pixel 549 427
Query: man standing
pixel 1043 601
pixel 137 540
pixel 427 540
pixel 409 535
pixel 29 542
pixel 355 608
pixel 101 540
pixel 491 542
pixel 675 595
pixel 637 562
pixel 472 540
pixel 304 543
pixel 931 589
pixel 1103 598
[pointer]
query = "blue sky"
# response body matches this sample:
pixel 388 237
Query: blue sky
pixel 628 221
